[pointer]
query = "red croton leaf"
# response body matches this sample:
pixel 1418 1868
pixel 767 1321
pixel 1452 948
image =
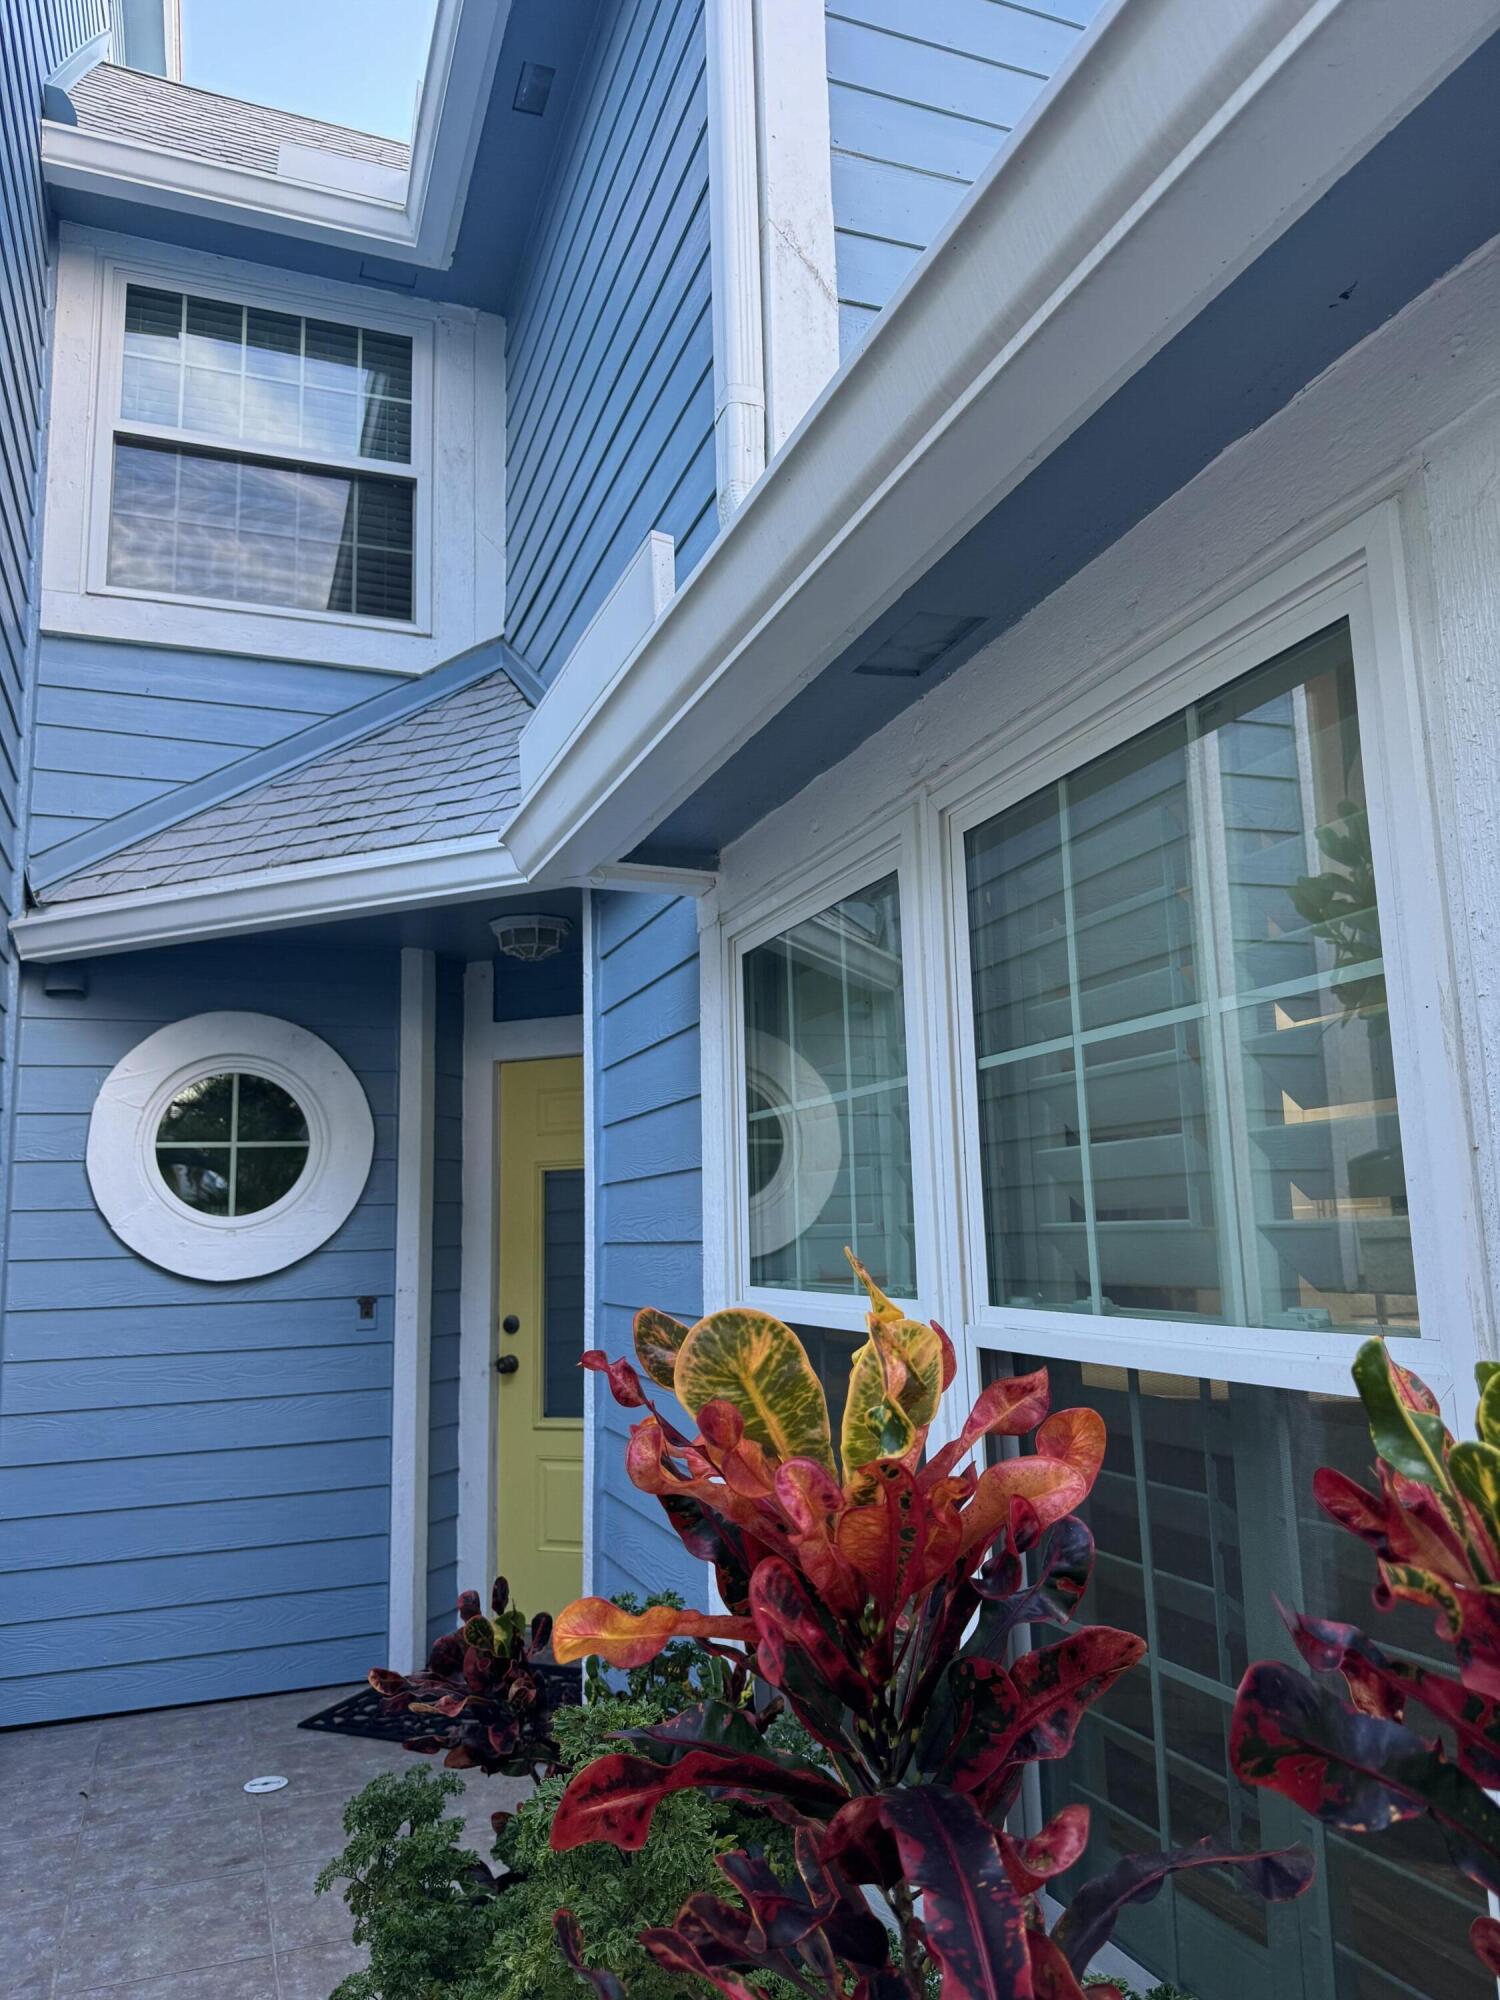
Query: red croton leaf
pixel 615 1797
pixel 1484 1937
pixel 1030 1863
pixel 570 1944
pixel 973 1917
pixel 625 1384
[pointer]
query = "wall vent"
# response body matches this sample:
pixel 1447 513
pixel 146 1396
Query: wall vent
pixel 915 648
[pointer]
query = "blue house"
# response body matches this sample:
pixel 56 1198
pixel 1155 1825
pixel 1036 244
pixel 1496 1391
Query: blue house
pixel 797 625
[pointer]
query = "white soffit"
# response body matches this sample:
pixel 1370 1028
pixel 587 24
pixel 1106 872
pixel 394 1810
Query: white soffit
pixel 1169 152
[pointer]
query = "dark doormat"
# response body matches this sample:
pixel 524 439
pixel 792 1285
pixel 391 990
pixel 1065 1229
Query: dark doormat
pixel 363 1714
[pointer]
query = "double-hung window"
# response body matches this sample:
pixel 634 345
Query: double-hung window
pixel 264 458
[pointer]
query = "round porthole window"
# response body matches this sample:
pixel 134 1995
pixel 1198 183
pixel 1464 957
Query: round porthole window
pixel 229 1145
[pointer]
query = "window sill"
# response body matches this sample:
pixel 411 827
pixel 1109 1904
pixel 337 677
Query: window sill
pixel 261 632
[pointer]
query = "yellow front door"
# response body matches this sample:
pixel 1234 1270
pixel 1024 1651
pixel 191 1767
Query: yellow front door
pixel 540 1336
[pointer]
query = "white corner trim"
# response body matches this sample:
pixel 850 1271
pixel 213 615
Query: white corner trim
pixel 486 1043
pixel 398 878
pixel 603 652
pixel 798 273
pixel 734 239
pixel 476 1309
pixel 591 1405
pixel 1015 325
pixel 411 1344
pixel 416 224
pixel 150 1219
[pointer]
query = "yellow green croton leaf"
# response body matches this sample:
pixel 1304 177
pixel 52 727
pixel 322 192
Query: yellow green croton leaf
pixel 751 1360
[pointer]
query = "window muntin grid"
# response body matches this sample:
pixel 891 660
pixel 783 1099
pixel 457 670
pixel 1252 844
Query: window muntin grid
pixel 1203 1516
pixel 1186 1088
pixel 232 1143
pixel 192 521
pixel 239 373
pixel 827 1131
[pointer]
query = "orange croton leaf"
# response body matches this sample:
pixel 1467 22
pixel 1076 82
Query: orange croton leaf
pixel 592 1625
pixel 1077 1437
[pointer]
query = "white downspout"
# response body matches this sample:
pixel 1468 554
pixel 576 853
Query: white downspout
pixel 734 225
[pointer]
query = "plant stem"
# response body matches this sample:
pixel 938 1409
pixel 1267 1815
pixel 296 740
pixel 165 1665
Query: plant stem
pixel 913 1957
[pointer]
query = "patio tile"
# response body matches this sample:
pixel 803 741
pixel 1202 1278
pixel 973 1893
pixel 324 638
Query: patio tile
pixel 39 1988
pixel 208 1840
pixel 34 1864
pixel 123 1935
pixel 299 1916
pixel 168 1787
pixel 32 1938
pixel 309 1829
pixel 312 1974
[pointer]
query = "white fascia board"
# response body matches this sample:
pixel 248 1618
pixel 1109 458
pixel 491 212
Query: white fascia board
pixel 269 899
pixel 420 229
pixel 1176 145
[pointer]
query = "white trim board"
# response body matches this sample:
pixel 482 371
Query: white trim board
pixel 411 1343
pixel 1011 330
pixel 397 878
pixel 421 227
pixel 486 1043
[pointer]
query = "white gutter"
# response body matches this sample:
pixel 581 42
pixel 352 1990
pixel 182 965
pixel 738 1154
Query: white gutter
pixel 421 228
pixel 1178 142
pixel 410 878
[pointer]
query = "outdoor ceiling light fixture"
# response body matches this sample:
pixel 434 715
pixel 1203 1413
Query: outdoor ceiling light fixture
pixel 530 938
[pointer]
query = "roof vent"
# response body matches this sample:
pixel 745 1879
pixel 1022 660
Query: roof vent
pixel 530 938
pixel 915 648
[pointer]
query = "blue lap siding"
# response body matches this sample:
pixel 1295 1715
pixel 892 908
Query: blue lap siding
pixel 648 1198
pixel 35 36
pixel 196 1475
pixel 920 99
pixel 119 725
pixel 609 352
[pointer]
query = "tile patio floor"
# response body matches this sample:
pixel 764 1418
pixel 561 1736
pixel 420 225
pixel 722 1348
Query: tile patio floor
pixel 133 1865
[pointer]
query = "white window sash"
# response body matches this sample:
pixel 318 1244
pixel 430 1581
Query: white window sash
pixel 110 428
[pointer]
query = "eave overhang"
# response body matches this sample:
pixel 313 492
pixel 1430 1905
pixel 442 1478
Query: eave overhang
pixel 421 229
pixel 1175 149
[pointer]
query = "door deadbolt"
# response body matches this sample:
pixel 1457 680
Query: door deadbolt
pixel 507 1364
pixel 510 1324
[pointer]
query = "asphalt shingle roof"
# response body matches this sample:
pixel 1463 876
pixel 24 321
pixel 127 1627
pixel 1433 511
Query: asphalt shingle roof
pixel 131 104
pixel 442 772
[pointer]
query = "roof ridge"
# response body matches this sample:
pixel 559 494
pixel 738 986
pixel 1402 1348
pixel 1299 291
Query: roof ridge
pixel 252 103
pixel 278 760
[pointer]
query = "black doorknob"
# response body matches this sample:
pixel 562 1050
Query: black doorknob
pixel 507 1364
pixel 510 1324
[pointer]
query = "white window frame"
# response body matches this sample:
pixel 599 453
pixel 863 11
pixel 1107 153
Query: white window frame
pixel 456 467
pixel 112 428
pixel 1355 570
pixel 126 1120
pixel 1355 574
pixel 897 847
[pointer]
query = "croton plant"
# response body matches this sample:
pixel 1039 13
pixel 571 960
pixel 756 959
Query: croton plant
pixel 1434 1525
pixel 485 1691
pixel 890 1595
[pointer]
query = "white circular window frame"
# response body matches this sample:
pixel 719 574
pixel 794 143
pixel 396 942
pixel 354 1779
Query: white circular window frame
pixel 143 1211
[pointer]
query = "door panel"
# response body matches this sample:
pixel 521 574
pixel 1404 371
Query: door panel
pixel 539 1534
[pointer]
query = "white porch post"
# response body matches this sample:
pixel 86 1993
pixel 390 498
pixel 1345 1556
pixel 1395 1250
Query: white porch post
pixel 411 1346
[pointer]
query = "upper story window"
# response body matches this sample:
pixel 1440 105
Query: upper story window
pixel 292 518
pixel 1187 1091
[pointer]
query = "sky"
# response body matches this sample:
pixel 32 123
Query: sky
pixel 352 62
